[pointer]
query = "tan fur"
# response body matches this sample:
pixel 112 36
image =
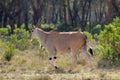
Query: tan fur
pixel 62 42
pixel 65 41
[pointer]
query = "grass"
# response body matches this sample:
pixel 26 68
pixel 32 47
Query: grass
pixel 46 77
pixel 34 65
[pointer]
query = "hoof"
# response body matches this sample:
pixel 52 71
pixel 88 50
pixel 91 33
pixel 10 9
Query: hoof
pixel 71 72
pixel 56 67
pixel 92 69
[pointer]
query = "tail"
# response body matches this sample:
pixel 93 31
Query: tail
pixel 91 51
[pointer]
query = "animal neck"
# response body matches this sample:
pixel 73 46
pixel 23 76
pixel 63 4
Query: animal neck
pixel 42 35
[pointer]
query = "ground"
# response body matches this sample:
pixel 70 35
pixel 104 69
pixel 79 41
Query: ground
pixel 33 65
pixel 34 75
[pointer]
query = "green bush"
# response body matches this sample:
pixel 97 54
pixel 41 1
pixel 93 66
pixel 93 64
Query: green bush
pixel 9 52
pixel 1 43
pixel 48 27
pixel 35 43
pixel 21 33
pixel 3 33
pixel 20 38
pixel 89 36
pixel 59 27
pixel 109 39
pixel 96 29
pixel 64 27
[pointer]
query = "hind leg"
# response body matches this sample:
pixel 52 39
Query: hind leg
pixel 74 61
pixel 87 56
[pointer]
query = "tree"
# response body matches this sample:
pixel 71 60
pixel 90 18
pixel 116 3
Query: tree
pixel 113 9
pixel 78 14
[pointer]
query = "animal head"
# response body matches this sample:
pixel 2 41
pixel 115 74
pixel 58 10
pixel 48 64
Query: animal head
pixel 34 30
pixel 33 33
pixel 39 34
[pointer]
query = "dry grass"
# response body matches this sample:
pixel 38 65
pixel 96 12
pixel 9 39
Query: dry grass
pixel 33 65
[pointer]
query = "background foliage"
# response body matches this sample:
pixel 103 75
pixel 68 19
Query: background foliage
pixel 109 39
pixel 98 19
pixel 68 14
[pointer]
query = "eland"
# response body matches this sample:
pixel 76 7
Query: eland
pixel 62 42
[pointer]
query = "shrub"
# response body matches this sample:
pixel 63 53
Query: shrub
pixel 21 33
pixel 59 27
pixel 1 43
pixel 89 36
pixel 3 33
pixel 9 52
pixel 35 43
pixel 20 38
pixel 97 29
pixel 48 27
pixel 64 27
pixel 109 39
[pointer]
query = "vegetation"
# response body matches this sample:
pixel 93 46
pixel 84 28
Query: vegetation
pixel 9 52
pixel 20 38
pixel 98 19
pixel 109 39
pixel 82 14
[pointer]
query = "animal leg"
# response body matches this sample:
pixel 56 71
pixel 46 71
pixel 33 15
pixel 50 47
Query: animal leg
pixel 74 59
pixel 88 56
pixel 52 61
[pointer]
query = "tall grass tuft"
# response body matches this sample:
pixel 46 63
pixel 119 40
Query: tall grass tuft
pixel 9 52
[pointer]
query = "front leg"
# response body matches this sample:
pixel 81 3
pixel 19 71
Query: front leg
pixel 52 55
pixel 52 61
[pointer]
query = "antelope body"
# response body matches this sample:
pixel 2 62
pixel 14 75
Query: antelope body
pixel 62 42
